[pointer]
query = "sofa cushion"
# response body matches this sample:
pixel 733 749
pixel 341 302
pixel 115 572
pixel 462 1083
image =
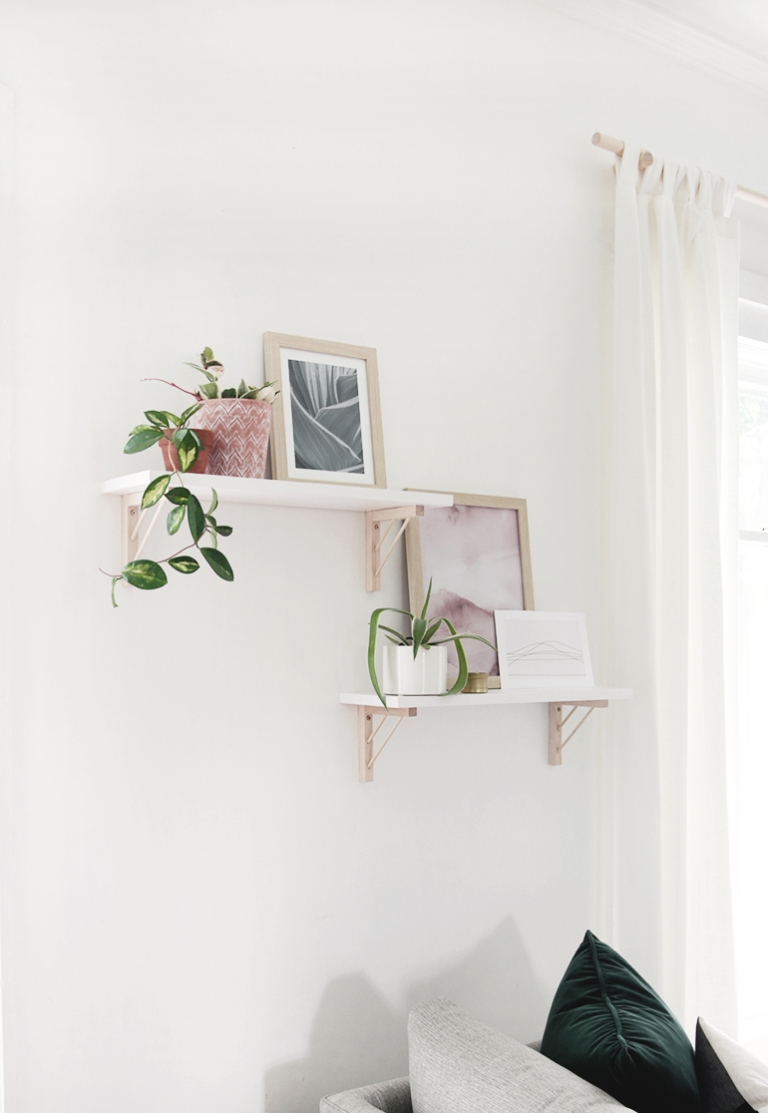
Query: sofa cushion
pixel 380 1097
pixel 457 1065
pixel 607 1025
pixel 731 1080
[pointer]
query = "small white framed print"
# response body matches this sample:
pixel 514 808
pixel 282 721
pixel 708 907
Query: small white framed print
pixel 540 648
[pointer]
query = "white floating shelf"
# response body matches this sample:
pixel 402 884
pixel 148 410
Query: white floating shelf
pixel 378 504
pixel 555 694
pixel 400 707
pixel 284 492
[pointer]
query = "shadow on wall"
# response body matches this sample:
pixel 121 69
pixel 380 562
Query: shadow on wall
pixel 358 1037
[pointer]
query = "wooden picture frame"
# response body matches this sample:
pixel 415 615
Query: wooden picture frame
pixel 326 420
pixel 478 554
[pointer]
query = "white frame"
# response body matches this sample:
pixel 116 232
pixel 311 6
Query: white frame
pixel 515 629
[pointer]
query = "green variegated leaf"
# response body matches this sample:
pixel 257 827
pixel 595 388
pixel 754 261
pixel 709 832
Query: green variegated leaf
pixel 396 636
pixel 432 630
pixel 419 630
pixel 252 393
pixel 175 518
pixel 189 413
pixel 145 438
pixel 211 389
pixel 146 574
pixel 218 563
pixel 374 626
pixel 426 601
pixel 154 491
pixel 211 522
pixel 185 564
pixel 158 418
pixel 213 540
pixel 178 495
pixel 141 429
pixel 214 501
pixel 206 355
pixel 185 437
pixel 224 531
pixel 196 366
pixel 187 458
pixel 171 419
pixel 230 392
pixel 187 444
pixel 242 388
pixel 195 517
pixel 114 581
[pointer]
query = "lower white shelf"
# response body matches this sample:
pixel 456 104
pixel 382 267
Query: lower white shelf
pixel 400 707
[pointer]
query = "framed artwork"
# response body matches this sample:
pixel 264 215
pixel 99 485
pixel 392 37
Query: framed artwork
pixel 326 420
pixel 478 556
pixel 542 648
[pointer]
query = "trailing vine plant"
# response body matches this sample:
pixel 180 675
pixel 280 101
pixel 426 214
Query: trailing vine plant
pixel 204 528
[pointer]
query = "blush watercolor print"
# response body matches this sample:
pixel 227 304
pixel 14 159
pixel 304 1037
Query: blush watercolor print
pixel 477 555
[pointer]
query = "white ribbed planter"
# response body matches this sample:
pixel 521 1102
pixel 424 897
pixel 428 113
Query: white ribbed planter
pixel 404 676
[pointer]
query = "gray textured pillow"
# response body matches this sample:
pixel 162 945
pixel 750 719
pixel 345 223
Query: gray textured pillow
pixel 457 1065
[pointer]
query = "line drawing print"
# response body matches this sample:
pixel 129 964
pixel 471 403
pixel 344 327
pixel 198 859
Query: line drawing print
pixel 537 648
pixel 549 651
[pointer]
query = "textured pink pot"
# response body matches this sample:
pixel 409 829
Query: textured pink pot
pixel 240 429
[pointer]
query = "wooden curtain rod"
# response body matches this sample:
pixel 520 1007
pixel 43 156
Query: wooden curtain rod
pixel 608 143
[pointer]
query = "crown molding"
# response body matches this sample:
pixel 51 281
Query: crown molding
pixel 673 36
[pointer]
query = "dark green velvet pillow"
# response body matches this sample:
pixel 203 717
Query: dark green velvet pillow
pixel 607 1025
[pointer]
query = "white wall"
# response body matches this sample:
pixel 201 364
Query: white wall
pixel 202 909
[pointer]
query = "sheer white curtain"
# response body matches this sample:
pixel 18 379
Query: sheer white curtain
pixel 671 586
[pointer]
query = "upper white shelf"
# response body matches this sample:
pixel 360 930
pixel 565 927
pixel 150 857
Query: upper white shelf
pixel 282 492
pixel 558 694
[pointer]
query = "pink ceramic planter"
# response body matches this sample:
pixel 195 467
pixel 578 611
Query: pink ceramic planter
pixel 240 428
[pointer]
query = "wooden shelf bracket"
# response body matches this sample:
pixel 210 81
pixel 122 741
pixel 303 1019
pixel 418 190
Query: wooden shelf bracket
pixel 557 722
pixel 366 732
pixel 375 538
pixel 132 518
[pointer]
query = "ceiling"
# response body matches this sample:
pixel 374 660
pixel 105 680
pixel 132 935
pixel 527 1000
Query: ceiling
pixel 743 23
pixel 727 38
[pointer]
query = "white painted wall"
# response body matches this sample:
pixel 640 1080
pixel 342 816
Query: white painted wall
pixel 202 909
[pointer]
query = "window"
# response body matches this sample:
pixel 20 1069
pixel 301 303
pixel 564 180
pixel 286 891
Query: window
pixel 751 837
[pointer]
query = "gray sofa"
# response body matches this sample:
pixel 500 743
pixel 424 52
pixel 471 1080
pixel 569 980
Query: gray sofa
pixel 458 1065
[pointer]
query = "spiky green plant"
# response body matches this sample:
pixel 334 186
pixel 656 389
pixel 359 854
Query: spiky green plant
pixel 422 633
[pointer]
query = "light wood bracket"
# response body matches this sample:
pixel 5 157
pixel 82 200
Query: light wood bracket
pixel 131 516
pixel 557 721
pixel 132 519
pixel 367 731
pixel 375 538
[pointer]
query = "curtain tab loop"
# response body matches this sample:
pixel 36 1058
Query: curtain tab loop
pixel 703 199
pixel 627 167
pixel 723 196
pixel 652 176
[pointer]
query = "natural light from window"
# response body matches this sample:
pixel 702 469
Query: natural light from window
pixel 751 857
